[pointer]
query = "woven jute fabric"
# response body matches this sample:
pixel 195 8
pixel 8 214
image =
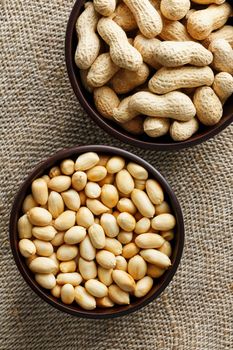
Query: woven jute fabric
pixel 39 116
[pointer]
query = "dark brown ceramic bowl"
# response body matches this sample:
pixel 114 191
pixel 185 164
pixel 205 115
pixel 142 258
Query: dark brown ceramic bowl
pixel 164 143
pixel 74 309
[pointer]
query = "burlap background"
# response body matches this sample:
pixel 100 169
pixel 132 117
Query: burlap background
pixel 40 115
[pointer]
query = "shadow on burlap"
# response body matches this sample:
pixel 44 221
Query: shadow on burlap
pixel 39 116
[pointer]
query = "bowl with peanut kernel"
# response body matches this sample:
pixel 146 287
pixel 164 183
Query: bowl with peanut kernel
pixel 153 73
pixel 96 231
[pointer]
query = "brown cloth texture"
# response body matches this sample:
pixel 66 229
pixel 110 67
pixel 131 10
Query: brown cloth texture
pixel 39 116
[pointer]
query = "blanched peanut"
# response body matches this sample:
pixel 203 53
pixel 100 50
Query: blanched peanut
pixel 143 287
pixel 28 203
pixel 67 294
pixel 115 164
pixel 181 131
pixel 129 250
pixel 226 32
pixel 68 266
pixel 163 222
pixel 175 54
pixel 125 237
pixel 137 267
pixel 170 79
pixel 71 199
pixel 46 233
pixel 59 183
pixel 121 263
pixel 92 190
pixel 109 195
pixel 124 18
pixel 56 291
pixel 104 302
pixel 96 288
pixel 124 182
pixel 154 191
pixel 142 226
pixel 86 161
pixel 45 280
pixel 67 166
pixel 126 221
pixel 65 220
pixel 149 240
pixel 106 100
pixel 147 48
pixel 105 7
pixel 126 205
pixel 154 271
pixel 137 171
pixel 109 224
pixel 156 127
pixel 123 280
pixel 27 247
pixel 162 208
pixel 79 180
pixel 118 296
pixel 86 249
pixel 39 217
pixel 102 70
pixel 54 171
pixel 43 265
pixel 122 53
pixel 143 203
pixel 67 252
pixel 43 248
pixel 208 106
pixel 108 180
pixel 174 9
pixel 174 105
pixel 24 227
pixel 155 257
pixel 125 81
pixel 46 178
pixel 87 269
pixel 97 173
pixel 106 259
pixel 105 276
pixel 140 185
pixel 84 217
pixel 97 236
pixel 73 278
pixel 84 299
pixel 148 19
pixel 75 235
pixel 166 248
pixel 223 86
pixel 201 23
pixel 113 245
pixel 168 235
pixel 174 31
pixel 96 207
pixel 86 31
pixel 55 204
pixel 223 56
pixel 40 191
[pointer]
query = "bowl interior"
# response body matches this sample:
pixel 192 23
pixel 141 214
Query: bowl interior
pixel 86 100
pixel 74 309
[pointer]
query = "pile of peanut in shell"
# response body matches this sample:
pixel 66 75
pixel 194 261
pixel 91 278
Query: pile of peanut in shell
pixel 157 66
pixel 96 231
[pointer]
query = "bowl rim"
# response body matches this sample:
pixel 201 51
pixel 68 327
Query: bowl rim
pixel 17 205
pixel 196 139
